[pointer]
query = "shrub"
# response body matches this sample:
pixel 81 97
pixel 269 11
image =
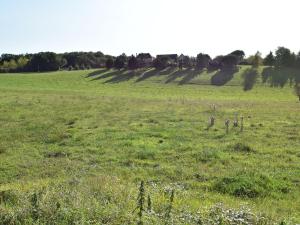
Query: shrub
pixel 2 150
pixel 145 154
pixel 250 186
pixel 241 147
pixel 207 155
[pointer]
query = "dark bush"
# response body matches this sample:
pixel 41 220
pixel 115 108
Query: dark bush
pixel 241 147
pixel 160 63
pixel 250 186
pixel 109 63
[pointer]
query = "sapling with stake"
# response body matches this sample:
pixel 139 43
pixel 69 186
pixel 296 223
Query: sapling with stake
pixel 227 125
pixel 149 204
pixel 236 121
pixel 211 121
pixel 242 123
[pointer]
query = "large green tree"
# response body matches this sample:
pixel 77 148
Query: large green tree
pixel 284 57
pixel 269 60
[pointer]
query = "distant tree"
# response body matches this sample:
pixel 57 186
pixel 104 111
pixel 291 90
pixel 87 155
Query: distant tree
pixel 44 61
pixel 216 63
pixel 83 67
pixel 180 64
pixel 89 59
pixel 269 60
pixel 12 65
pixel 98 54
pixel 8 57
pixel 284 57
pixel 297 63
pixel 186 62
pixel 297 90
pixel 202 61
pixel 255 60
pixel 229 61
pixel 22 63
pixel 133 63
pixel 239 54
pixel 5 67
pixel 63 62
pixel 120 61
pixel 109 63
pixel 160 63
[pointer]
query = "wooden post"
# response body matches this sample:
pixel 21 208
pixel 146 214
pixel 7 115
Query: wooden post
pixel 227 126
pixel 242 123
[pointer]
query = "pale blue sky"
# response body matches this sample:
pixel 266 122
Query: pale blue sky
pixel 155 26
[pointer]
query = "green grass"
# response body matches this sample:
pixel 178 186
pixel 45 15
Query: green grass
pixel 64 133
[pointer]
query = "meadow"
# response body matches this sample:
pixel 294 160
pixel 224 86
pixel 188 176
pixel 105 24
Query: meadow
pixel 75 146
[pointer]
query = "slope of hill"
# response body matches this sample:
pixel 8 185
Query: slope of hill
pixel 75 145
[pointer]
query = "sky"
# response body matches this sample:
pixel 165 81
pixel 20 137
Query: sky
pixel 215 27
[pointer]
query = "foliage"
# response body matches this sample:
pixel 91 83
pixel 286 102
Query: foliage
pixel 160 63
pixel 240 54
pixel 44 61
pixel 255 60
pixel 120 61
pixel 202 61
pixel 269 60
pixel 250 186
pixel 109 63
pixel 133 63
pixel 284 57
pixel 229 61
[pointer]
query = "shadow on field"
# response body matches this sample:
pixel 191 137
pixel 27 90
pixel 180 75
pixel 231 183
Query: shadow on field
pixel 96 73
pixel 121 77
pixel 190 76
pixel 147 74
pixel 168 71
pixel 179 73
pixel 223 76
pixel 105 75
pixel 250 77
pixel 279 77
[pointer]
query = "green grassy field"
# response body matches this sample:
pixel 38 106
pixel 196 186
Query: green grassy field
pixel 75 145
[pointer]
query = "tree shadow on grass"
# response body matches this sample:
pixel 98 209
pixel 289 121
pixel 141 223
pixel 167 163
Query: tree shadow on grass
pixel 223 76
pixel 168 70
pixel 279 77
pixel 108 74
pixel 179 73
pixel 190 76
pixel 250 77
pixel 148 74
pixel 124 76
pixel 96 73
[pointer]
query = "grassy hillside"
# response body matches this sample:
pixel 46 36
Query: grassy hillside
pixel 75 145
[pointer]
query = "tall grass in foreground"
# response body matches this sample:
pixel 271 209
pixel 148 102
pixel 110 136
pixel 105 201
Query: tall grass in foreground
pixel 106 200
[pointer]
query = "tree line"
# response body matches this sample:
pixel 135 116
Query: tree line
pixel 281 67
pixel 50 61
